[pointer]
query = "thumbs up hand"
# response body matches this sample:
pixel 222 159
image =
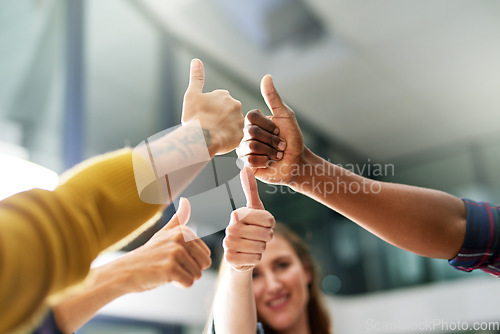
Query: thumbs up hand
pixel 273 146
pixel 249 229
pixel 218 113
pixel 166 257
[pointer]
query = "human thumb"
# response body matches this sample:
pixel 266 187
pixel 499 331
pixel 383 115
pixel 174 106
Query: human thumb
pixel 249 184
pixel 181 217
pixel 272 98
pixel 196 76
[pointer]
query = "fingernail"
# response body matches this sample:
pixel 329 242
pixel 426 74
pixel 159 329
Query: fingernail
pixel 276 131
pixel 195 64
pixel 281 145
pixel 279 155
pixel 181 201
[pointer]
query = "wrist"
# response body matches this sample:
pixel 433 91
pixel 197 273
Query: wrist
pixel 212 142
pixel 197 134
pixel 123 279
pixel 308 164
pixel 241 273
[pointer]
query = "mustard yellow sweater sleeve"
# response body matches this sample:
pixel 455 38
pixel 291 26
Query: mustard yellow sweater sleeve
pixel 49 238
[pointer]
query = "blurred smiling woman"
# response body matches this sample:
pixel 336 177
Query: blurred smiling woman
pixel 286 287
pixel 268 280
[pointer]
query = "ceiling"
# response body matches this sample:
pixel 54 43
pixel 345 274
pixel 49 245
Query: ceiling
pixel 390 78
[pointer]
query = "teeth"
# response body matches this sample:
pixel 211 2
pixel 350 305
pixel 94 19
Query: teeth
pixel 277 302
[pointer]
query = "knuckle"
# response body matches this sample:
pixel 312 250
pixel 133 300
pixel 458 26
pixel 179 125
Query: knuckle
pixel 270 221
pixel 253 145
pixel 221 91
pixel 254 131
pixel 230 230
pixel 207 263
pixel 169 267
pixel 253 160
pixel 226 243
pixel 262 247
pixel 209 252
pixel 253 115
pixel 178 251
pixel 230 257
pixel 234 235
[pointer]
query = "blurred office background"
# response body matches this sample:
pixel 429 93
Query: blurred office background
pixel 403 91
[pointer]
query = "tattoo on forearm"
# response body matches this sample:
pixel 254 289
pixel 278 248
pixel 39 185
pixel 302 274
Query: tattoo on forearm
pixel 171 146
pixel 191 136
pixel 208 137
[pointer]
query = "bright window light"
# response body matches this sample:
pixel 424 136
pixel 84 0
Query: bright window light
pixel 17 175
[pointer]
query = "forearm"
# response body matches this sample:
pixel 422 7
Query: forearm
pixel 96 205
pixel 424 221
pixel 102 285
pixel 166 163
pixel 65 230
pixel 234 306
pixel 186 148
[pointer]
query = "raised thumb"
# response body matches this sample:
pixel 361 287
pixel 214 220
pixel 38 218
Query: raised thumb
pixel 249 184
pixel 272 98
pixel 181 217
pixel 196 76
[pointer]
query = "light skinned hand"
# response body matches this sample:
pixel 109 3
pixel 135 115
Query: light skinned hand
pixel 260 148
pixel 249 229
pixel 166 257
pixel 219 113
